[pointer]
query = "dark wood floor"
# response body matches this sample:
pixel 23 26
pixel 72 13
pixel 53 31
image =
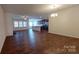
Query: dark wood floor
pixel 32 42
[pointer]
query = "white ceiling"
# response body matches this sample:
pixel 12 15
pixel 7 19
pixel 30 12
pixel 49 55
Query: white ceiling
pixel 43 10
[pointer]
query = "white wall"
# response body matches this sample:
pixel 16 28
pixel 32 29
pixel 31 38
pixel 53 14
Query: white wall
pixel 66 23
pixel 2 28
pixel 9 24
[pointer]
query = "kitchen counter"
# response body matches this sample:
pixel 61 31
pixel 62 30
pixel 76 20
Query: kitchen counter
pixel 37 28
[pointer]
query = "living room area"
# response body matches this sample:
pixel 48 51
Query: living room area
pixel 39 29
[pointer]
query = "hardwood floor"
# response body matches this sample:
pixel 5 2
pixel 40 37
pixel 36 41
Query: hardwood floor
pixel 32 42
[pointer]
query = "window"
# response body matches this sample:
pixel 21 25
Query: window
pixel 15 23
pixel 20 24
pixel 24 24
pixel 35 23
pixel 30 24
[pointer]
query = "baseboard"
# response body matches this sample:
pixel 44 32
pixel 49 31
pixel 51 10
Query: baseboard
pixel 9 36
pixel 20 30
pixel 64 35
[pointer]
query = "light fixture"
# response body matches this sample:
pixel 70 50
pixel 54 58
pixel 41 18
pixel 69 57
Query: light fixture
pixel 54 6
pixel 25 17
pixel 54 15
